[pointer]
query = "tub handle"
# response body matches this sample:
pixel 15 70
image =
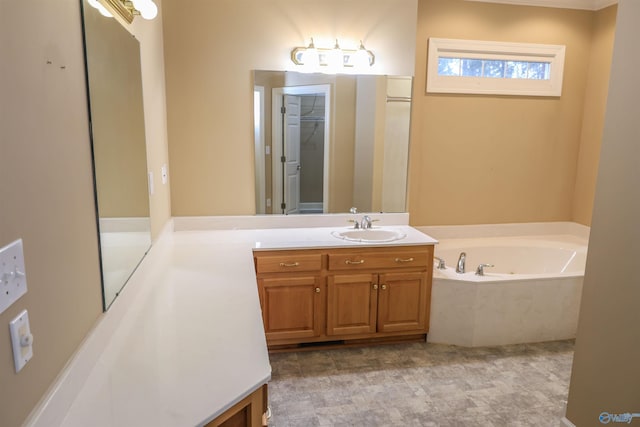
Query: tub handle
pixel 480 269
pixel 441 264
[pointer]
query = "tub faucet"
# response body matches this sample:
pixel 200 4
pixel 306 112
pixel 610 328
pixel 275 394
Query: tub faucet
pixel 441 264
pixel 460 267
pixel 480 269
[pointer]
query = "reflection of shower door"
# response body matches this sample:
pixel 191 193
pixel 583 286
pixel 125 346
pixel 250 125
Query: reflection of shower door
pixel 291 150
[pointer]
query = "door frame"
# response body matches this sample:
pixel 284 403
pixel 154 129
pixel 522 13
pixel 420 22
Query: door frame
pixel 276 144
pixel 259 149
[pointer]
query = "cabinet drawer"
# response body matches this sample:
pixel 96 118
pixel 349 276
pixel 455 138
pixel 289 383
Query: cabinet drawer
pixel 288 263
pixel 377 260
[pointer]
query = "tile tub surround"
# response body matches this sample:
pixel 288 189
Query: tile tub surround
pixel 422 385
pixel 184 341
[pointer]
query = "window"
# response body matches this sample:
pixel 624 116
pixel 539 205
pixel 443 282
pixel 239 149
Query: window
pixel 499 68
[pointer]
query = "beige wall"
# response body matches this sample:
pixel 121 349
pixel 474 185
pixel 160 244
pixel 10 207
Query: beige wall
pixel 46 156
pixel 491 159
pixel 46 192
pixel 595 103
pixel 210 50
pixel 606 373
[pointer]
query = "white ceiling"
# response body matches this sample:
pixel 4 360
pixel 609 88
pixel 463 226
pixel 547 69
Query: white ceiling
pixel 568 4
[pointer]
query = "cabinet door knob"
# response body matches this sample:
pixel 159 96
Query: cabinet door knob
pixel 375 287
pixel 348 261
pixel 384 287
pixel 404 259
pixel 317 290
pixel 294 264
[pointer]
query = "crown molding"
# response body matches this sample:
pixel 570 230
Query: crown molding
pixel 564 4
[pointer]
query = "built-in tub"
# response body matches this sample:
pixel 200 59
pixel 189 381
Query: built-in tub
pixel 532 293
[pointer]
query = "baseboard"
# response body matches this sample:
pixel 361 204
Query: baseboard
pixel 564 422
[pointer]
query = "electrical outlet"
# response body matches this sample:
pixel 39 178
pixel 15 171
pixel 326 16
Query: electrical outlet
pixel 13 279
pixel 21 340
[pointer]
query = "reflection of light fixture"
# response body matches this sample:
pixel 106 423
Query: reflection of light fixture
pixel 332 60
pixel 310 57
pixel 127 9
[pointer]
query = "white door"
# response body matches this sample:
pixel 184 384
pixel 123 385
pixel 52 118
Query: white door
pixel 291 152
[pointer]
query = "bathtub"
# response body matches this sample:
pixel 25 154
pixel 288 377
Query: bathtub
pixel 531 294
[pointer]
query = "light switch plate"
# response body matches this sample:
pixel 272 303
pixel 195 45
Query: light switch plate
pixel 21 340
pixel 151 189
pixel 163 174
pixel 13 279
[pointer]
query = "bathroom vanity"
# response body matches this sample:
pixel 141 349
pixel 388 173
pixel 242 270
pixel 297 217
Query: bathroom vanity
pixel 344 295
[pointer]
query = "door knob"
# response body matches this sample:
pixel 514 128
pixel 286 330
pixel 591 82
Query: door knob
pixel 375 287
pixel 384 287
pixel 317 290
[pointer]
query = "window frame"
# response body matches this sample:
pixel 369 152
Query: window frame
pixel 491 50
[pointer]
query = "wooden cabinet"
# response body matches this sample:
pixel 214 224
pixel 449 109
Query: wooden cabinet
pixel 249 412
pixel 292 295
pixel 333 295
pixel 392 296
pixel 291 306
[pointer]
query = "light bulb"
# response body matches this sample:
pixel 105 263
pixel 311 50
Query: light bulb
pixel 147 8
pixel 310 58
pixel 335 59
pixel 361 58
pixel 103 11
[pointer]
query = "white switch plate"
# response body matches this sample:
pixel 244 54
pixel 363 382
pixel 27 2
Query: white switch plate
pixel 13 280
pixel 21 340
pixel 163 173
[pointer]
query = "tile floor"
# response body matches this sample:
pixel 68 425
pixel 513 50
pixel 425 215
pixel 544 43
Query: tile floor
pixel 422 384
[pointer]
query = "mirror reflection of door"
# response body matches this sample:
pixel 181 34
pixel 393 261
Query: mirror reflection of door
pixel 300 148
pixel 303 165
pixel 291 160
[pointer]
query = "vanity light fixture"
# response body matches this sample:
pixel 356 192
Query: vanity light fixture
pixel 332 60
pixel 127 9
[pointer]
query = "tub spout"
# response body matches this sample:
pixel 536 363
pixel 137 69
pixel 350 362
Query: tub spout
pixel 441 264
pixel 461 260
pixel 480 269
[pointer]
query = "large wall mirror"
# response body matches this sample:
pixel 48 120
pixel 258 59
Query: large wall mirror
pixel 326 143
pixel 119 148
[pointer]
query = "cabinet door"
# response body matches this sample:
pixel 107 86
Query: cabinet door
pixel 291 307
pixel 403 302
pixel 351 304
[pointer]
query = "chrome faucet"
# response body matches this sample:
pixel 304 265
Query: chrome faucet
pixel 480 269
pixel 460 267
pixel 441 264
pixel 366 222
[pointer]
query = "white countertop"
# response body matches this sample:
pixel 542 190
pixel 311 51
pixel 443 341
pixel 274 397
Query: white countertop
pixel 188 341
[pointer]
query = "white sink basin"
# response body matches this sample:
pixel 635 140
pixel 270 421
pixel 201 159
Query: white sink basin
pixel 373 235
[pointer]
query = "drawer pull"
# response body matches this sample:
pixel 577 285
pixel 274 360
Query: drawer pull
pixel 317 290
pixel 348 261
pixel 284 264
pixel 404 259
